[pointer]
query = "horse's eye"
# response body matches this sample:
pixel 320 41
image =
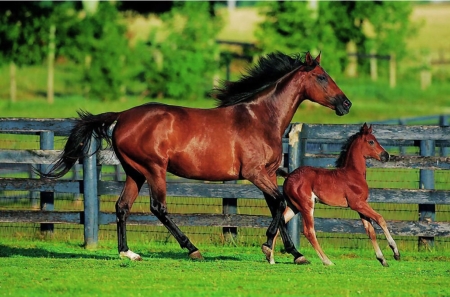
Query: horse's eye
pixel 322 78
pixel 371 142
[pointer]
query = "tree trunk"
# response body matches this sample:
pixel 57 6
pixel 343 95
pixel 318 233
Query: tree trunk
pixel 51 65
pixel 12 79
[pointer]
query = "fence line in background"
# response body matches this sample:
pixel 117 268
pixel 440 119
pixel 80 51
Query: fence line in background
pixel 303 145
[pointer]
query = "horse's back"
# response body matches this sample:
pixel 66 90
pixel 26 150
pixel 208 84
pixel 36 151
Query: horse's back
pixel 188 141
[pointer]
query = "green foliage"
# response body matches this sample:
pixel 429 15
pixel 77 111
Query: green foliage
pixel 24 32
pixel 98 42
pixel 291 26
pixel 181 64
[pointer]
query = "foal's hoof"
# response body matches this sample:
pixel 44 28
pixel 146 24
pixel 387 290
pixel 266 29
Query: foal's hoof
pixel 267 251
pixel 301 261
pixel 397 257
pixel 130 255
pixel 196 256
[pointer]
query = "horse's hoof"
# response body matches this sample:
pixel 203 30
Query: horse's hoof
pixel 130 255
pixel 268 253
pixel 301 261
pixel 196 256
pixel 397 257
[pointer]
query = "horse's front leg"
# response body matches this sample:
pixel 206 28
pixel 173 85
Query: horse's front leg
pixel 277 205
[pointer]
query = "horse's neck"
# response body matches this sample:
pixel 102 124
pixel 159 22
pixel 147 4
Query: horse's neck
pixel 281 102
pixel 355 160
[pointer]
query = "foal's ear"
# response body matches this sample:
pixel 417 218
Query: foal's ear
pixel 365 129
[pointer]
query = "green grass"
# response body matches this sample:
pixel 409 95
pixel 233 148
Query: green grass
pixel 36 268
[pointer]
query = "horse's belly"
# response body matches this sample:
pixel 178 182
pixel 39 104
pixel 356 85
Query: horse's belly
pixel 211 166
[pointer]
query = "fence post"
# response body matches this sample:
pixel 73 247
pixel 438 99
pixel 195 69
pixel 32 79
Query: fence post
pixel 229 206
pixel 91 203
pixel 443 122
pixel 47 199
pixel 295 150
pixel 427 212
pixel 402 149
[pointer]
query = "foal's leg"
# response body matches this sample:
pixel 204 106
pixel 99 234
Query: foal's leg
pixel 373 238
pixel 158 206
pixel 368 211
pixel 133 184
pixel 310 233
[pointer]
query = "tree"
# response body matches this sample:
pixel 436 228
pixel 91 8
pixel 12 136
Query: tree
pixel 24 31
pixel 98 42
pixel 292 26
pixel 181 61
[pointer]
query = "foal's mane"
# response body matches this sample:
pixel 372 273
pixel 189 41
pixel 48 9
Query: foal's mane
pixel 267 71
pixel 344 150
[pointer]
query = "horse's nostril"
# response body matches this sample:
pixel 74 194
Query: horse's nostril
pixel 347 103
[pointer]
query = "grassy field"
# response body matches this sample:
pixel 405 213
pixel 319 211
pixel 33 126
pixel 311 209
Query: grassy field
pixel 165 271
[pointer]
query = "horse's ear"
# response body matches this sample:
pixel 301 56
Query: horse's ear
pixel 308 59
pixel 370 129
pixel 318 57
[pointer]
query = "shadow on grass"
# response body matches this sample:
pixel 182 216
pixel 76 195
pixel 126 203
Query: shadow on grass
pixel 35 252
pixel 184 256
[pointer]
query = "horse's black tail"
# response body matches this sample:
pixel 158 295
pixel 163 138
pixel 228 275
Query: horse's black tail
pixel 79 141
pixel 282 173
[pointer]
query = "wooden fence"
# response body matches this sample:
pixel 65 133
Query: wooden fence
pixel 303 144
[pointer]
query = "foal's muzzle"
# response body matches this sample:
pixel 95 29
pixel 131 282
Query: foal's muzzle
pixel 384 156
pixel 342 105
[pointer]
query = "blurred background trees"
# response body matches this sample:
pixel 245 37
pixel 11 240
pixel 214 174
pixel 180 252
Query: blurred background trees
pixel 179 56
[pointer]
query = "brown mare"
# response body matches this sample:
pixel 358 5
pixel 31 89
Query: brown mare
pixel 344 186
pixel 239 139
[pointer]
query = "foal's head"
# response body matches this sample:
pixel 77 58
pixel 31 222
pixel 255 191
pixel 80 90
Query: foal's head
pixel 365 143
pixel 321 88
pixel 370 146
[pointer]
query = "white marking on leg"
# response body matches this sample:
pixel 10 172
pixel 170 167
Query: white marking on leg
pixel 130 255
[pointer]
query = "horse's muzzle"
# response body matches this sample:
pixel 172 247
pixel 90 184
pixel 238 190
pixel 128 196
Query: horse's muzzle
pixel 384 156
pixel 342 105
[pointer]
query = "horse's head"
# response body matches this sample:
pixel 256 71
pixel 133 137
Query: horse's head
pixel 371 147
pixel 321 88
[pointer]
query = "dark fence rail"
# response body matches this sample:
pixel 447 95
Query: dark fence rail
pixel 303 145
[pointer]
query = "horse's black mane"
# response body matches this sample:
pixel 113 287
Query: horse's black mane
pixel 265 73
pixel 344 150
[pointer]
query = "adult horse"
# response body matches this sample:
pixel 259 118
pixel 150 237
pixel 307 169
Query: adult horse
pixel 345 186
pixel 239 139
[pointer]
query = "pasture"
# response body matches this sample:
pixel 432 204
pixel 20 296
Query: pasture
pixel 70 270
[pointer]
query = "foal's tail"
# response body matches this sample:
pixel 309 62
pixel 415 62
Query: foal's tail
pixel 79 140
pixel 282 173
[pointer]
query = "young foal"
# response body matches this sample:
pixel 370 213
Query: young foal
pixel 344 186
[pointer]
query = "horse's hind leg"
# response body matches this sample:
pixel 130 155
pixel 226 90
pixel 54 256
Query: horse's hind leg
pixel 158 207
pixel 133 184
